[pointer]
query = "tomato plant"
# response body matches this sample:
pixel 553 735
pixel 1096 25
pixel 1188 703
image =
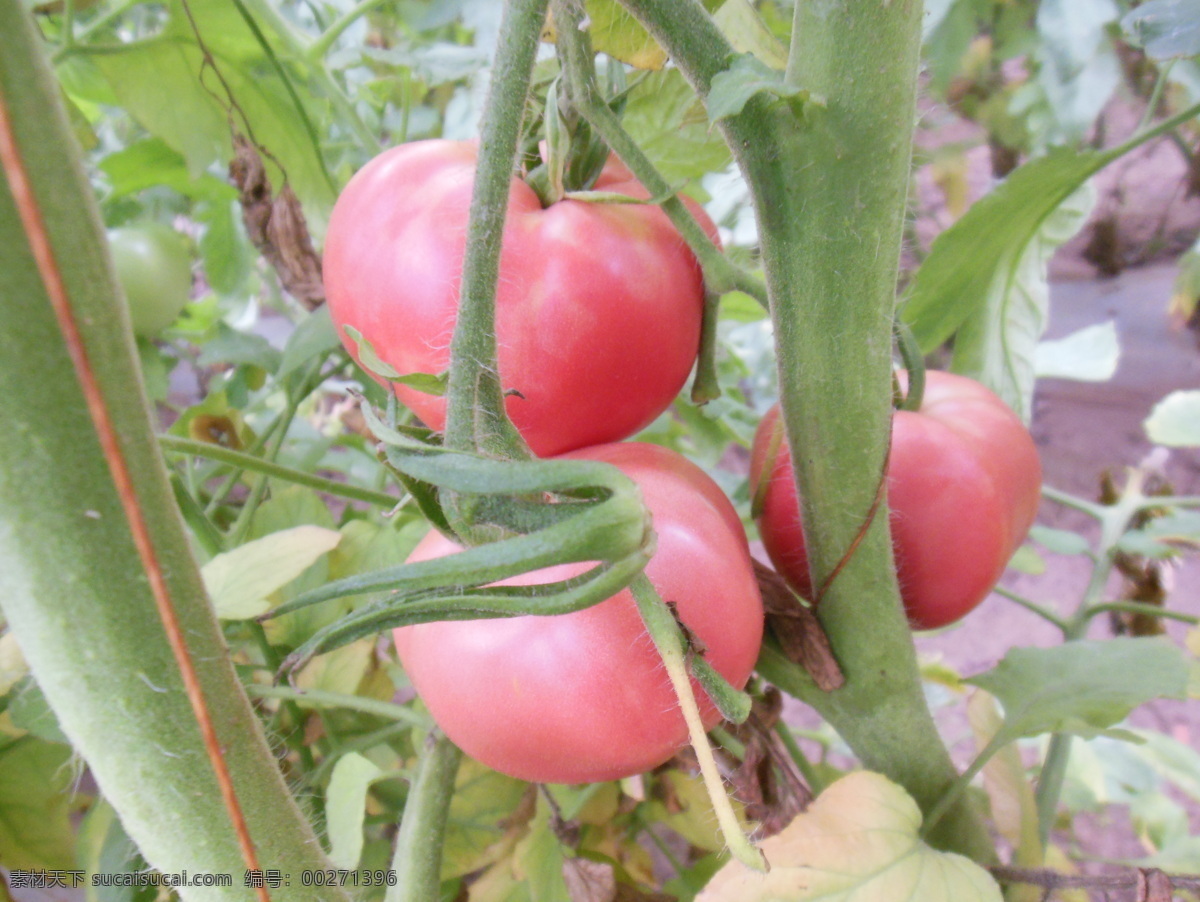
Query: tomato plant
pixel 963 488
pixel 154 268
pixel 581 697
pixel 598 308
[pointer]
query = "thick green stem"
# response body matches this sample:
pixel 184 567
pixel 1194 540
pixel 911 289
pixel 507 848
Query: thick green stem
pixel 72 584
pixel 475 417
pixel 829 186
pixel 418 858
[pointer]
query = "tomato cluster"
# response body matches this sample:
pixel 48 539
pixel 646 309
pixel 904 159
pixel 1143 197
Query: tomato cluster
pixel 598 316
pixel 964 482
pixel 598 305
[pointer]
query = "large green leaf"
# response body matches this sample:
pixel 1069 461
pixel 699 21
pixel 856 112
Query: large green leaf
pixel 669 123
pixel 997 344
pixel 1175 420
pixel 165 85
pixel 858 842
pixel 1082 687
pixel 241 581
pixel 1165 28
pixel 974 266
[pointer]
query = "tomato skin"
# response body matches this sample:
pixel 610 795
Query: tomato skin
pixel 964 482
pixel 154 268
pixel 598 307
pixel 583 697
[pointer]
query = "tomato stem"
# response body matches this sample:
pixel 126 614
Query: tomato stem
pixel 418 857
pixel 475 414
pixel 829 186
pixel 664 631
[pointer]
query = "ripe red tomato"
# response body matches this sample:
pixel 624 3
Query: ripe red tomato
pixel 598 307
pixel 583 697
pixel 964 481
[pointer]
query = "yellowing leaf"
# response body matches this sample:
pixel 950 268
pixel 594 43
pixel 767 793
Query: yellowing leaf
pixel 858 841
pixel 240 580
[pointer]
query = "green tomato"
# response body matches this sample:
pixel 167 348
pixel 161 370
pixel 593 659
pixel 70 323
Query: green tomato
pixel 154 267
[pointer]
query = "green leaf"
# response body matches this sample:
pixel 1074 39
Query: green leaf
pixel 158 80
pixel 997 343
pixel 480 811
pixel 745 77
pixel 104 848
pixel 668 121
pixel 370 361
pixel 539 859
pixel 232 346
pixel 35 794
pixel 312 339
pixel 30 711
pixel 151 162
pixel 1026 560
pixel 1175 420
pixel 616 32
pixel 228 257
pixel 858 841
pixel 1060 541
pixel 1082 687
pixel 981 252
pixel 346 807
pixel 1089 354
pixel 240 581
pixel 740 22
pixel 1165 28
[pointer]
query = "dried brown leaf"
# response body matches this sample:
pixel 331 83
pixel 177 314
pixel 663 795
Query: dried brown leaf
pixel 798 630
pixel 276 226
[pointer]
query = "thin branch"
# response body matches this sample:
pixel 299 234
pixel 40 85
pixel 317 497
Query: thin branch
pixel 1052 880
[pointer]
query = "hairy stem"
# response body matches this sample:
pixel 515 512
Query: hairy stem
pixel 829 186
pixel 418 858
pixel 75 588
pixel 475 417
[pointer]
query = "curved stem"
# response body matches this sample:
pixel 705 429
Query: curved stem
pixel 315 698
pixel 1033 607
pixel 475 416
pixel 1138 607
pixel 663 630
pixel 318 48
pixel 418 858
pixel 256 464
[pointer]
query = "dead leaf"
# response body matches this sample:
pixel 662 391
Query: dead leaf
pixel 798 630
pixel 765 780
pixel 859 840
pixel 276 226
pixel 589 881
